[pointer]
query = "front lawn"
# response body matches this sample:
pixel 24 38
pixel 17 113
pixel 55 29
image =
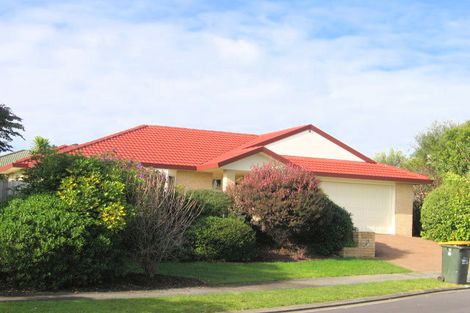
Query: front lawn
pixel 224 301
pixel 239 273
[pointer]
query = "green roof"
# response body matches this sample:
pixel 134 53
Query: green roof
pixel 13 157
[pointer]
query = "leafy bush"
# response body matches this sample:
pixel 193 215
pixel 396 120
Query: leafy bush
pixel 95 188
pixel 445 214
pixel 213 203
pixel 330 231
pixel 48 173
pixel 229 239
pixel 285 203
pixel 44 245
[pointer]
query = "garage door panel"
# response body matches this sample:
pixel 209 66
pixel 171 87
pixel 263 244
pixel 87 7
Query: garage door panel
pixel 371 205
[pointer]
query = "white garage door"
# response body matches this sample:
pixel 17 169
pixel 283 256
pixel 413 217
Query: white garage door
pixel 371 205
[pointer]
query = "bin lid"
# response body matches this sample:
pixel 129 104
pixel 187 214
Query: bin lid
pixel 455 243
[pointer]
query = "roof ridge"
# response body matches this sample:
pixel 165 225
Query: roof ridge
pixel 206 130
pixel 92 142
pixel 13 152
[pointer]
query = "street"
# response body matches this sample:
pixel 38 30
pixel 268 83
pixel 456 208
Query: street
pixel 448 302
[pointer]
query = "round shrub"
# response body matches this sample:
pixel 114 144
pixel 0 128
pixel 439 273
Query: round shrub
pixel 330 231
pixel 445 215
pixel 46 246
pixel 229 239
pixel 286 204
pixel 213 203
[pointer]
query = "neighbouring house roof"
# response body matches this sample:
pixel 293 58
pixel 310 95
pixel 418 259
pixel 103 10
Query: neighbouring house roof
pixel 21 159
pixel 13 157
pixel 195 149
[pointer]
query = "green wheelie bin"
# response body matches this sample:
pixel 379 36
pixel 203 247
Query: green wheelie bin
pixel 455 257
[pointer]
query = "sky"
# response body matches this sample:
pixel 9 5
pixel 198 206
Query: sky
pixel 373 74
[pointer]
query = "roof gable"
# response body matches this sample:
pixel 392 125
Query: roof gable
pixel 324 145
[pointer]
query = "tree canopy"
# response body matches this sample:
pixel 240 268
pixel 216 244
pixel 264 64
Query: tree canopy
pixel 392 157
pixel 10 127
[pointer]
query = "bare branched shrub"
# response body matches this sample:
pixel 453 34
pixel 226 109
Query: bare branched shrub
pixel 162 216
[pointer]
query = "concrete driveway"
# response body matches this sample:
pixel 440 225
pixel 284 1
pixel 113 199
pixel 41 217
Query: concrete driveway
pixel 414 253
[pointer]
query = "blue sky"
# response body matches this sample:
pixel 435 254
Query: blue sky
pixel 371 73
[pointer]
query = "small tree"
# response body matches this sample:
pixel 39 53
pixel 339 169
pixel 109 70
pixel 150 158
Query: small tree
pixel 162 216
pixel 10 126
pixel 41 146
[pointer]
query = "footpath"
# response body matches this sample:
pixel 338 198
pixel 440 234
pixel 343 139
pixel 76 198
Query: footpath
pixel 286 284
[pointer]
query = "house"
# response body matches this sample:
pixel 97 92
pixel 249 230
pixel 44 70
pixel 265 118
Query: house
pixel 379 196
pixel 11 180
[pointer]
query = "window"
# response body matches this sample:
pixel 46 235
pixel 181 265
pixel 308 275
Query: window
pixel 217 183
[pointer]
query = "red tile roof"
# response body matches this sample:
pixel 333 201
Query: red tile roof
pixel 194 149
pixel 355 169
pixel 169 147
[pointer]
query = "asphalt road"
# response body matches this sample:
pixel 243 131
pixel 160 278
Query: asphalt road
pixel 443 302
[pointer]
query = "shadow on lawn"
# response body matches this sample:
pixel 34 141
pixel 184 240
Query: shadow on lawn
pixel 84 305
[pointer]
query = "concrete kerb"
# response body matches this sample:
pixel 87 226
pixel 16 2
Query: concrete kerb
pixel 335 304
pixel 289 284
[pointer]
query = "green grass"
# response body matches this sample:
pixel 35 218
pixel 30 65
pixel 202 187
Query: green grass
pixel 224 301
pixel 240 273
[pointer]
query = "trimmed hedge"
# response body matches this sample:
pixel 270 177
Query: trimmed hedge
pixel 229 239
pixel 213 203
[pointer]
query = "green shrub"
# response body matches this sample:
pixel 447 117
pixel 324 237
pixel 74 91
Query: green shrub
pixel 95 188
pixel 213 203
pixel 330 231
pixel 229 239
pixel 46 246
pixel 48 173
pixel 445 214
pixel 286 204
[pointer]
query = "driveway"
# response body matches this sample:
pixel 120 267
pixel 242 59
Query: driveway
pixel 414 253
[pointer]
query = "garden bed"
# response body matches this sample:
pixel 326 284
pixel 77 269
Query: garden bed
pixel 133 281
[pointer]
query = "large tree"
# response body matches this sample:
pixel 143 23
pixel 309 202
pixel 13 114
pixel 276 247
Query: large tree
pixel 10 126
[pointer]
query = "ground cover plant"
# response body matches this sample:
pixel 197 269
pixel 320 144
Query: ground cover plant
pixel 226 301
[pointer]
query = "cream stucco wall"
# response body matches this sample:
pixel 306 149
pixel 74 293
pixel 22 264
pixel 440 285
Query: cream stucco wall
pixel 404 197
pixel 245 164
pixel 311 144
pixel 194 180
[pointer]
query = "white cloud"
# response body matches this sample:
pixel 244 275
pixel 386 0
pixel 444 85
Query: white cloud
pixel 74 74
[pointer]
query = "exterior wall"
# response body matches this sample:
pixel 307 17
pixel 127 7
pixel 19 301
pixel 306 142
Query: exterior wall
pixel 228 179
pixel 245 164
pixel 311 144
pixel 404 197
pixel 371 203
pixel 194 179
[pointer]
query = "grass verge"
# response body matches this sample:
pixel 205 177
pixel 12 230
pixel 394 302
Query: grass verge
pixel 255 272
pixel 225 301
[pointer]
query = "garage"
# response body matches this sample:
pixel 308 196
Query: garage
pixel 370 203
